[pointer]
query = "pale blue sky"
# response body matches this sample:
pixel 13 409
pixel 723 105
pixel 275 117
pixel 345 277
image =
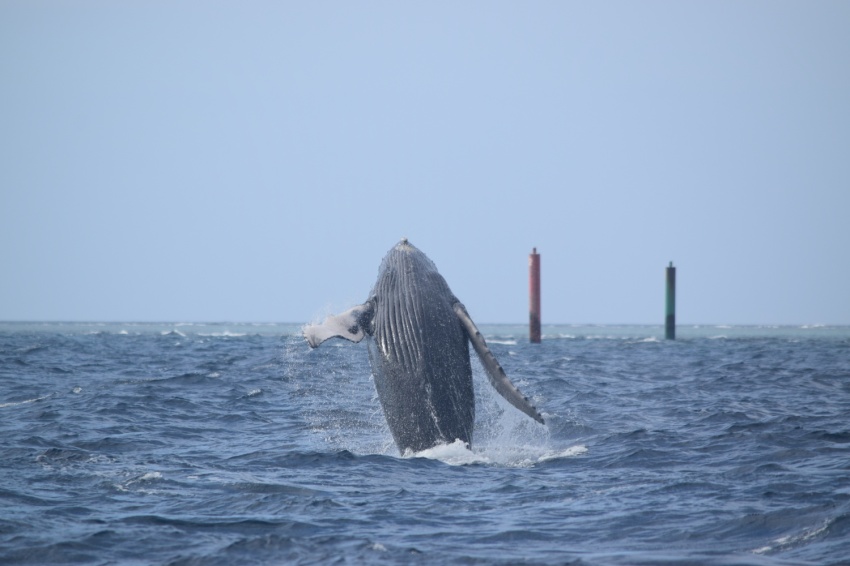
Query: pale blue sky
pixel 254 161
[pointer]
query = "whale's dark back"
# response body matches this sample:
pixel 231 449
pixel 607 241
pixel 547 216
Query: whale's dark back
pixel 420 353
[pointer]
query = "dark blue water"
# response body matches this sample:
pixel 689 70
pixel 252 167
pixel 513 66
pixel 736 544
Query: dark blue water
pixel 231 444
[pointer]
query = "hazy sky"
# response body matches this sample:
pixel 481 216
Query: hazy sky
pixel 254 161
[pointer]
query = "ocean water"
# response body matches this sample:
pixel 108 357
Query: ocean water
pixel 237 444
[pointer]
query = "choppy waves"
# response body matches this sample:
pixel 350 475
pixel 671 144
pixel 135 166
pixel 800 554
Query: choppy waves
pixel 187 444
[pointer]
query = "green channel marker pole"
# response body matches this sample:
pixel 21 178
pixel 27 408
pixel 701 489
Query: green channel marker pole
pixel 670 318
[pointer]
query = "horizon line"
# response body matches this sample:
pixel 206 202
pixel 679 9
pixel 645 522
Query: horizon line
pixel 292 323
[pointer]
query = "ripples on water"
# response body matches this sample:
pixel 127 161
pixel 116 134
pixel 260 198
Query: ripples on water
pixel 229 444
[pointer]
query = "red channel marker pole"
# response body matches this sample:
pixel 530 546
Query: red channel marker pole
pixel 534 297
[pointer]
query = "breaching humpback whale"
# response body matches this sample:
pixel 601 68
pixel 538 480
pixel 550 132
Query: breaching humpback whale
pixel 418 336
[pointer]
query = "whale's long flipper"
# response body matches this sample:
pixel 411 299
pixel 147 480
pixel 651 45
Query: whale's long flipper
pixel 351 325
pixel 497 375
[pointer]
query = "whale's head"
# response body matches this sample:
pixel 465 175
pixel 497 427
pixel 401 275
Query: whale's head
pixel 405 262
pixel 410 300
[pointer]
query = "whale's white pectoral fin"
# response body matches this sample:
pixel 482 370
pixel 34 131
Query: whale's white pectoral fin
pixel 350 325
pixel 497 375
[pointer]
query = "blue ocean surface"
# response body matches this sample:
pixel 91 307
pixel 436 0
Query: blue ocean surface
pixel 237 444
